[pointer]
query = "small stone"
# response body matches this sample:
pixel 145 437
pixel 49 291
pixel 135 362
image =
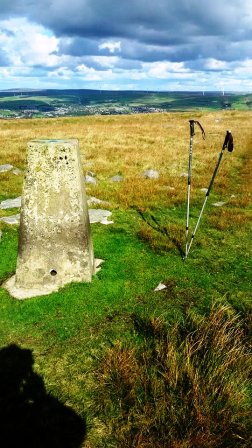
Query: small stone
pixel 90 179
pixel 95 215
pixel 116 178
pixel 14 219
pixel 7 167
pixel 16 171
pixel 219 204
pixel 204 189
pixel 160 286
pixel 93 201
pixel 184 174
pixel 106 221
pixel 99 215
pixel 98 262
pixel 151 174
pixel 10 203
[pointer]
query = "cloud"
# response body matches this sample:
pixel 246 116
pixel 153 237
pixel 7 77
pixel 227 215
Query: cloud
pixel 87 73
pixel 111 46
pixel 163 22
pixel 164 69
pixel 215 64
pixel 27 44
pixel 150 40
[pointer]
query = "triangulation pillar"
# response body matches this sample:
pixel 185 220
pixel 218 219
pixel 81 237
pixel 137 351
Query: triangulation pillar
pixel 55 245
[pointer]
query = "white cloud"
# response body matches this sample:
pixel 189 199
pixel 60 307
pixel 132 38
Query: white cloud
pixel 61 72
pixel 163 69
pixel 88 73
pixel 111 46
pixel 106 61
pixel 28 44
pixel 37 57
pixel 245 68
pixel 5 72
pixel 215 64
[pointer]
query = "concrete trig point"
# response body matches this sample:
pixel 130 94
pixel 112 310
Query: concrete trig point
pixel 55 244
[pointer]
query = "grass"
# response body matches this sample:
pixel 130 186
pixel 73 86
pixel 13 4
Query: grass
pixel 186 385
pixel 168 101
pixel 125 358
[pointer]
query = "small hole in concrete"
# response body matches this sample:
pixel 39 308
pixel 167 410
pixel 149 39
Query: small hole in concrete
pixel 53 272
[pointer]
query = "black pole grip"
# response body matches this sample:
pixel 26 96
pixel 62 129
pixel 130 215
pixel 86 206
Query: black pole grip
pixel 202 130
pixel 228 142
pixel 192 130
pixel 192 133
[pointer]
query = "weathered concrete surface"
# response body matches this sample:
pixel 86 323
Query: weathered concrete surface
pixel 55 244
pixel 23 293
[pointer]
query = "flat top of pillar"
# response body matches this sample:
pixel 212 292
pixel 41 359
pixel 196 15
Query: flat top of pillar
pixel 53 140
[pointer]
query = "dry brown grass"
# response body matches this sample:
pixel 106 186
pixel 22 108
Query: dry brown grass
pixel 131 144
pixel 185 388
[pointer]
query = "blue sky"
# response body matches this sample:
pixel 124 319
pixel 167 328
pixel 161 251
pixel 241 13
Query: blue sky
pixel 126 44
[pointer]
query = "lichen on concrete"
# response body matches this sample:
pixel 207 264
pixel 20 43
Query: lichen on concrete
pixel 55 245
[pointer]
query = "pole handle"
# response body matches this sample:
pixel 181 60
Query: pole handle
pixel 192 129
pixel 202 130
pixel 228 142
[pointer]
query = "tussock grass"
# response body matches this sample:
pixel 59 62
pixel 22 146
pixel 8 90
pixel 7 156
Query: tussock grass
pixel 186 386
pixel 228 219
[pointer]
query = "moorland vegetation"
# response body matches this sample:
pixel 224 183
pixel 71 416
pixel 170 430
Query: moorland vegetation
pixel 144 368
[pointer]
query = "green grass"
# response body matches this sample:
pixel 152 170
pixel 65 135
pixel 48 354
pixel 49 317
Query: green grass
pixel 69 331
pixel 125 358
pixel 170 101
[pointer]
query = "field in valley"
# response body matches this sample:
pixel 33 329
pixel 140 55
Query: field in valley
pixel 144 368
pixel 55 103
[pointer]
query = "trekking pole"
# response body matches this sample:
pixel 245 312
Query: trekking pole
pixel 228 144
pixel 192 133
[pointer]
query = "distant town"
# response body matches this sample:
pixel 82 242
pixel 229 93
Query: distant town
pixel 23 103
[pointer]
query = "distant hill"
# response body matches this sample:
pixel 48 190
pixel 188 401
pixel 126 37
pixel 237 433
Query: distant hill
pixel 74 102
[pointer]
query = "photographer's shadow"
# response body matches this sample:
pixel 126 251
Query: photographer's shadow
pixel 29 416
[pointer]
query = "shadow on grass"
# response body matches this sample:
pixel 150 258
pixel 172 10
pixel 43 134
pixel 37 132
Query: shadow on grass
pixel 29 416
pixel 155 225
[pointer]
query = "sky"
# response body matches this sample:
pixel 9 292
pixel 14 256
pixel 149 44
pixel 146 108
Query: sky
pixel 156 45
